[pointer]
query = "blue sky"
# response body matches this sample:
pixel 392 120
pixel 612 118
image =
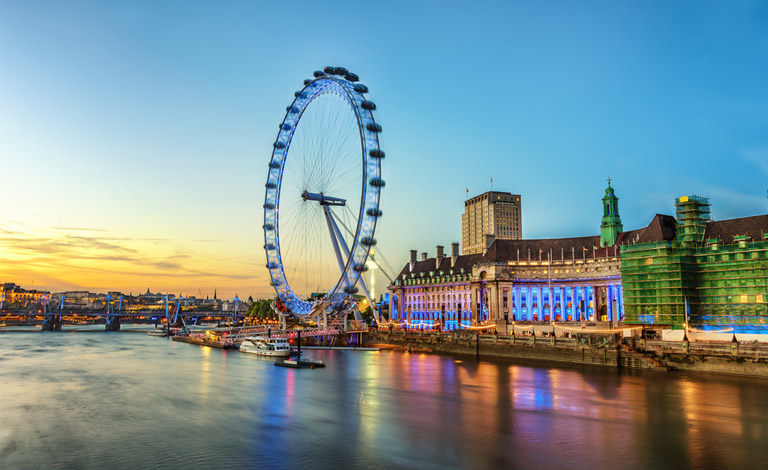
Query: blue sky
pixel 135 135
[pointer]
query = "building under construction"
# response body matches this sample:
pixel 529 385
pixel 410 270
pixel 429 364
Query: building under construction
pixel 712 275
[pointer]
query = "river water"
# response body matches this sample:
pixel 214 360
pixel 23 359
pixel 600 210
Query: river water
pixel 84 398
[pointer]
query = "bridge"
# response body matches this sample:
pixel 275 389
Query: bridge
pixel 53 320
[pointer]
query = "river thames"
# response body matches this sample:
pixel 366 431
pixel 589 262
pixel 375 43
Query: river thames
pixel 84 398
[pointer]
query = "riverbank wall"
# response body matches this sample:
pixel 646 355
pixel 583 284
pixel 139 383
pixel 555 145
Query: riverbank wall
pixel 592 349
pixel 598 349
pixel 732 358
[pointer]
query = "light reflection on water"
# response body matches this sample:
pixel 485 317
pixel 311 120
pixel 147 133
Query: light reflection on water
pixel 90 399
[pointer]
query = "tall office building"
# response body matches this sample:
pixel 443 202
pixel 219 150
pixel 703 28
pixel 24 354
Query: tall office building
pixel 493 213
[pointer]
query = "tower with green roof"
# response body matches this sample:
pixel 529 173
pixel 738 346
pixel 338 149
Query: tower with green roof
pixel 610 227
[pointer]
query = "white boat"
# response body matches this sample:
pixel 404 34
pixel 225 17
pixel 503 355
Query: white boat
pixel 266 346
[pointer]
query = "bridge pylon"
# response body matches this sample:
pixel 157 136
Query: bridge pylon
pixel 51 322
pixel 113 321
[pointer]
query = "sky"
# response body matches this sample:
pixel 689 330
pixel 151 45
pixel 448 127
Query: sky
pixel 135 135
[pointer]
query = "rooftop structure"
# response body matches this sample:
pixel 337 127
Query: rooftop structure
pixel 611 226
pixel 495 213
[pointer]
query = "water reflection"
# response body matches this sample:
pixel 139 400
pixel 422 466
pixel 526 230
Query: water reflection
pixel 106 400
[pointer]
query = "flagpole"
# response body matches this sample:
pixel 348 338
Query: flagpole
pixel 549 289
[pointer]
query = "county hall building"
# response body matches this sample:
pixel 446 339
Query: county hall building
pixel 560 279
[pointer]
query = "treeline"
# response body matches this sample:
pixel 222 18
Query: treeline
pixel 262 310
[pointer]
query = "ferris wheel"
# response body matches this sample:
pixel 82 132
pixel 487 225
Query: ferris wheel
pixel 322 196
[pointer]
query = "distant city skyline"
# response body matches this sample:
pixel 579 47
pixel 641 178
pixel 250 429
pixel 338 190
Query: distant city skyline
pixel 135 137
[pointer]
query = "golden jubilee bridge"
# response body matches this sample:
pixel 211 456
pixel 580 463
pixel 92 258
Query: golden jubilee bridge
pixel 173 312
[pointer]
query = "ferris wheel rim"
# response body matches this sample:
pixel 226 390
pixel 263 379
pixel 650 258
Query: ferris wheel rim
pixel 368 213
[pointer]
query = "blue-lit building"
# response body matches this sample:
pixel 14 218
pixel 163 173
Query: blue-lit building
pixel 550 280
pixel 561 279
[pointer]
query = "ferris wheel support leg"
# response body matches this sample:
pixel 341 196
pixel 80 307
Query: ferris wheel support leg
pixel 339 240
pixel 334 240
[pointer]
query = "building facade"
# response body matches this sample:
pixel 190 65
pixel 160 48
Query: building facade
pixel 11 293
pixel 515 280
pixel 710 275
pixel 676 271
pixel 494 213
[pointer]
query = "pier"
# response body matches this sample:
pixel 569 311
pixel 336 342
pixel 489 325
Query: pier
pixel 351 333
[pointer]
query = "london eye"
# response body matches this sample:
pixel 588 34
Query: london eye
pixel 322 196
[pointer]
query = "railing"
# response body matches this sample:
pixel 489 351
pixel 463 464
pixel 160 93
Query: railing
pixel 759 350
pixel 122 313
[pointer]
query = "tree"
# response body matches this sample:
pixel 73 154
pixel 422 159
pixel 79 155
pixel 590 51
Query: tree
pixel 261 309
pixel 367 314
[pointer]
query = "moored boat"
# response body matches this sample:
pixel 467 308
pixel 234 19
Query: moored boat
pixel 265 346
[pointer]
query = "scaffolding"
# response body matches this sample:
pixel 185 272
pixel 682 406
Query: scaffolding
pixel 705 284
pixel 732 285
pixel 692 214
pixel 724 284
pixel 656 282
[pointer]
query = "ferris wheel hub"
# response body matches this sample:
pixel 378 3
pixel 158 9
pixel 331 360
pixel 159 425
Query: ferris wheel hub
pixel 323 199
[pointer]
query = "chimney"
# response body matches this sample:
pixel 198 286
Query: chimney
pixel 439 257
pixel 489 239
pixel 412 261
pixel 424 256
pixel 454 253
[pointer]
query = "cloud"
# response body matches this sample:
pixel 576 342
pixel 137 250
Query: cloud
pixel 729 204
pixel 757 157
pixel 56 259
pixel 80 229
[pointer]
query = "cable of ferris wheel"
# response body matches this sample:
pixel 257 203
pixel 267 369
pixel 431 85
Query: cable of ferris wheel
pixel 372 257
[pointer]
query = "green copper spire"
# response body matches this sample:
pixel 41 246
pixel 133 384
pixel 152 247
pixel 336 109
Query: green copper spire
pixel 610 227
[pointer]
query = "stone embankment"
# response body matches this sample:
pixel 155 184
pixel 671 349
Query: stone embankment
pixel 731 358
pixel 587 349
pixel 598 349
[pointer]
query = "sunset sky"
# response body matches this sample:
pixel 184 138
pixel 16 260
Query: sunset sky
pixel 135 135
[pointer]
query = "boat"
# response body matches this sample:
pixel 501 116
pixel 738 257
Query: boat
pixel 266 346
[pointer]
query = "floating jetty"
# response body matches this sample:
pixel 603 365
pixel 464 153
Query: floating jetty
pixel 232 337
pixel 296 363
pixel 205 340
